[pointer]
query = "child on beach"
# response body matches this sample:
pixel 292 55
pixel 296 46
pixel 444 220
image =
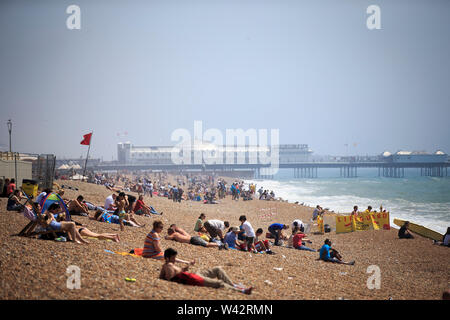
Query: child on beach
pixel 122 204
pixel 213 278
pixel 262 245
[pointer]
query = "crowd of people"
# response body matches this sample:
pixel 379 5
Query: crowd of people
pixel 123 209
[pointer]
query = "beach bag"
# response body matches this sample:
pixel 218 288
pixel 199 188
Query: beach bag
pixel 327 228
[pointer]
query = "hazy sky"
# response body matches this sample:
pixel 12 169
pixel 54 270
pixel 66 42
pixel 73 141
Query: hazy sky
pixel 138 70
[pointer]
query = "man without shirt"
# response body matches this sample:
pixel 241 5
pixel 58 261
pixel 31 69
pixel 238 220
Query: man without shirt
pixel 213 278
pixel 177 234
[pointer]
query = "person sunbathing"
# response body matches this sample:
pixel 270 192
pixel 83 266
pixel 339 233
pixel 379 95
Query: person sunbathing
pixel 67 226
pixel 14 201
pixel 101 236
pixel 213 278
pixel 77 207
pixel 178 234
pixel 109 217
pixel 142 209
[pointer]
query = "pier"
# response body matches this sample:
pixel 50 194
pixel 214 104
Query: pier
pixel 301 169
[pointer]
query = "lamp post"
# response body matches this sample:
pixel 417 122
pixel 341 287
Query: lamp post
pixel 10 149
pixel 9 130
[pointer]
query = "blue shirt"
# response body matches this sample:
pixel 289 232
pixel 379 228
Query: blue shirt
pixel 325 252
pixel 230 239
pixel 276 226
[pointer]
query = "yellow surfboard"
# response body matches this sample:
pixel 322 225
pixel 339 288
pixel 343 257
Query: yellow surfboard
pixel 420 230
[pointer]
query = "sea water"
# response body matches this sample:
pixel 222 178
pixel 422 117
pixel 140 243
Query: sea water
pixel 422 200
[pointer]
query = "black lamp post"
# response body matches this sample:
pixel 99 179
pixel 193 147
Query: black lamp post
pixel 10 129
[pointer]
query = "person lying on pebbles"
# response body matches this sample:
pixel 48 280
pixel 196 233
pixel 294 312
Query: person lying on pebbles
pixel 101 236
pixel 213 278
pixel 178 234
pixel 103 215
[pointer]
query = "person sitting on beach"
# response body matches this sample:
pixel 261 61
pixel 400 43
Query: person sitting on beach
pixel 445 239
pixel 331 255
pixel 13 203
pixel 109 202
pixel 231 239
pixel 299 239
pixel 67 226
pixel 142 209
pixel 152 244
pixel 262 245
pixel 276 229
pixel 178 234
pixel 403 233
pixel 216 228
pixel 199 224
pixel 122 203
pixel 213 278
pixel 78 208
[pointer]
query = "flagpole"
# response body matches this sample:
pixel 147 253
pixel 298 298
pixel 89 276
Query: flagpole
pixel 87 156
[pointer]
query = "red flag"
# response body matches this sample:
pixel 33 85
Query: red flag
pixel 86 139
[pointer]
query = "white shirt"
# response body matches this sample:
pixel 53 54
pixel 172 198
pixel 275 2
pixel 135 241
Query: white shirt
pixel 217 224
pixel 299 223
pixel 249 232
pixel 108 202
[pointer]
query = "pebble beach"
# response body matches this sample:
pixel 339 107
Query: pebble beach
pixel 34 269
